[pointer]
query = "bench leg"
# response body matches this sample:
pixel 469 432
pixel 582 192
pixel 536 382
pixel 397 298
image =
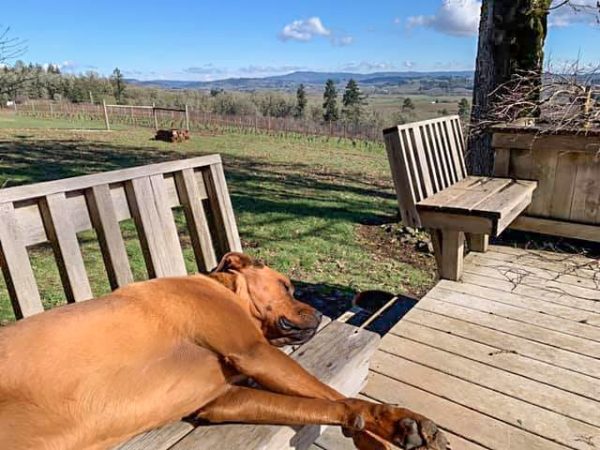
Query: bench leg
pixel 453 244
pixel 448 247
pixel 436 240
pixel 478 242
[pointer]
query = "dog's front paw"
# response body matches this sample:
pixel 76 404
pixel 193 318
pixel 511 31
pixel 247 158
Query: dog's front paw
pixel 413 433
pixel 402 427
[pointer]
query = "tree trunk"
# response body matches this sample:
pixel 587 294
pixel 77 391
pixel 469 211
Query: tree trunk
pixel 511 41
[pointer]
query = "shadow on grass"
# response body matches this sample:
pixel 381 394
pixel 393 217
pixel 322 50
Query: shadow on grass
pixel 269 197
pixel 256 186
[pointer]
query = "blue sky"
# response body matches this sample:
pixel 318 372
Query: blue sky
pixel 202 40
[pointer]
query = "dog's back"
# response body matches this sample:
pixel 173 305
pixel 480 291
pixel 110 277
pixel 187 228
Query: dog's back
pixel 101 369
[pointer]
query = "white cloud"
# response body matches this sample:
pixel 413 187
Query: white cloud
pixel 342 41
pixel 68 66
pixel 304 30
pixel 261 70
pixel 367 66
pixel 454 17
pixel 409 64
pixel 307 29
pixel 582 11
pixel 206 69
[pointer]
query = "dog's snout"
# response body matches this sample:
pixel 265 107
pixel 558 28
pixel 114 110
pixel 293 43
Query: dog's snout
pixel 286 325
pixel 318 315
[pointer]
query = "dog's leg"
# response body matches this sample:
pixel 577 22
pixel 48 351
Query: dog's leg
pixel 247 405
pixel 281 374
pixel 359 418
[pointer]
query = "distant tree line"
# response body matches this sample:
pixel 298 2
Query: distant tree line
pixel 350 107
pixel 21 82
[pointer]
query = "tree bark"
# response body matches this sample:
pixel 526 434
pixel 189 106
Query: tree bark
pixel 511 41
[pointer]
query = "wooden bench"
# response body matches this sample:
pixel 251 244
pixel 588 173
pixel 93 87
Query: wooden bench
pixel 56 211
pixel 435 192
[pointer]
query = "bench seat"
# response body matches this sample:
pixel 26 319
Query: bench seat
pixel 477 205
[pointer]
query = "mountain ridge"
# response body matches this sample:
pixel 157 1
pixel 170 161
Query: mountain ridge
pixel 309 78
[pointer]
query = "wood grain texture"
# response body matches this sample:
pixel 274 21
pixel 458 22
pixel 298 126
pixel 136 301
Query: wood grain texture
pixel 117 176
pixel 104 220
pixel 552 227
pixel 189 193
pixel 227 237
pixel 101 201
pixel 16 267
pixel 63 237
pixel 30 221
pixel 567 200
pixel 540 423
pixel 502 364
pixel 479 428
pixel 156 230
pixel 401 179
pixel 506 358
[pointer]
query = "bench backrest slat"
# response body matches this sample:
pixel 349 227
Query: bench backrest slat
pixel 105 222
pixel 425 157
pixel 56 211
pixel 63 237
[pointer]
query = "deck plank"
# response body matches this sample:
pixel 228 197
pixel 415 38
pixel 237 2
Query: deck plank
pixel 502 361
pixel 550 309
pixel 483 430
pixel 537 421
pixel 587 278
pixel 506 342
pixel 508 358
pixel 559 265
pixel 538 317
pixel 526 278
pixel 530 292
pixel 531 332
pixel 496 379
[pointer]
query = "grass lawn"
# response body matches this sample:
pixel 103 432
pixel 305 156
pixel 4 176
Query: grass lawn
pixel 308 207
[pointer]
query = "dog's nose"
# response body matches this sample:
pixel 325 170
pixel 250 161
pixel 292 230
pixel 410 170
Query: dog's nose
pixel 318 315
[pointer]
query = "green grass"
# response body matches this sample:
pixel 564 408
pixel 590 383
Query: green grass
pixel 299 202
pixel 9 121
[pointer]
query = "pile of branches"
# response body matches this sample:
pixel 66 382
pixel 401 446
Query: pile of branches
pixel 172 135
pixel 553 101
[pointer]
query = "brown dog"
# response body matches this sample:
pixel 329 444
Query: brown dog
pixel 92 374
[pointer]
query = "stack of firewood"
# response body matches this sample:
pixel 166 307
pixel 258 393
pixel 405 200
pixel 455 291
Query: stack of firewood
pixel 172 135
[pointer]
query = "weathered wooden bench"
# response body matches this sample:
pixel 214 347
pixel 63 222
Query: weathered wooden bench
pixel 435 192
pixel 56 211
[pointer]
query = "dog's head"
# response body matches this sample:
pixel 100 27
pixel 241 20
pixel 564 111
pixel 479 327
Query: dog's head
pixel 269 297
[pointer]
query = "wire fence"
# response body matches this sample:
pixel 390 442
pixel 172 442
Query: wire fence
pixel 198 120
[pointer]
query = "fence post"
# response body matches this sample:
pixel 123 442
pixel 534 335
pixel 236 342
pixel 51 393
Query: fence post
pixel 154 116
pixel 187 117
pixel 105 115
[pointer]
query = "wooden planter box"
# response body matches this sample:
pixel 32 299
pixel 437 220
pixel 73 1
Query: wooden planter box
pixel 567 168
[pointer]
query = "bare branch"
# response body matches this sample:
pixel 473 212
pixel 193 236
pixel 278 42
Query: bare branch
pixel 565 99
pixel 10 47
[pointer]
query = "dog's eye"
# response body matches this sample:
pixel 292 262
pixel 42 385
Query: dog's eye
pixel 288 287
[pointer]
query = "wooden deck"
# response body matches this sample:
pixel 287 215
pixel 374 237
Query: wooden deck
pixel 507 359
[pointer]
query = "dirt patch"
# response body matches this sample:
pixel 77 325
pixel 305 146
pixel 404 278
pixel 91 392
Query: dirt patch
pixel 386 240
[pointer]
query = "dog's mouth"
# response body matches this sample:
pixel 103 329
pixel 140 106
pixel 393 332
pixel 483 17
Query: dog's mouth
pixel 291 333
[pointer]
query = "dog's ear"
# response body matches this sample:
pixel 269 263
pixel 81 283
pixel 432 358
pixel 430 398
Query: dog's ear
pixel 236 261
